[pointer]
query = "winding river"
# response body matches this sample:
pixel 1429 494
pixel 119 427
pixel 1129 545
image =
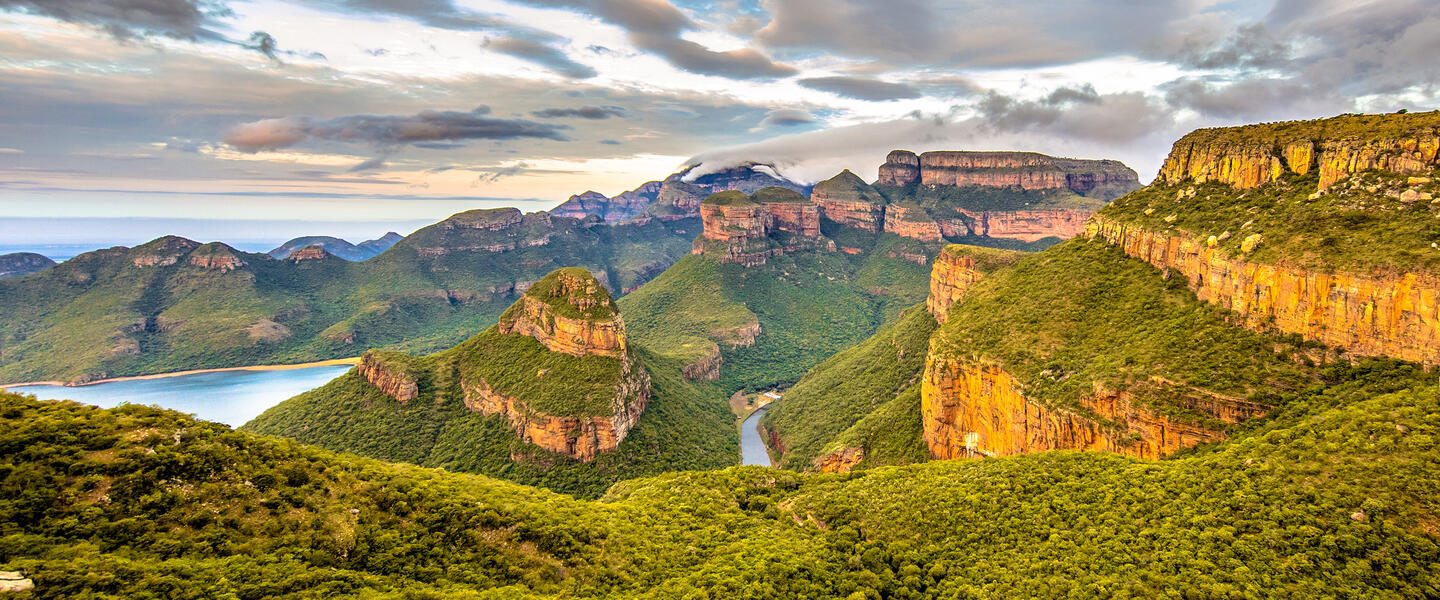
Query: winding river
pixel 752 445
pixel 229 397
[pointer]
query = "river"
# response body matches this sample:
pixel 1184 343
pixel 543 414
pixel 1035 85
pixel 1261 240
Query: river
pixel 752 446
pixel 229 397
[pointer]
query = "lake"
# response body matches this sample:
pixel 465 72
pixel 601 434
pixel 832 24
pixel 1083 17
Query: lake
pixel 229 397
pixel 752 446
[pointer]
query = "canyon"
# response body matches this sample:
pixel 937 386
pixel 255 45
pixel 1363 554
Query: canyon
pixel 743 229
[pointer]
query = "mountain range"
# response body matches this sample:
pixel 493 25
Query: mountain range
pixel 337 246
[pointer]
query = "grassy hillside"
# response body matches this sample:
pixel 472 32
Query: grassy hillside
pixel 170 304
pixel 684 426
pixel 1362 224
pixel 838 392
pixel 808 305
pixel 1333 497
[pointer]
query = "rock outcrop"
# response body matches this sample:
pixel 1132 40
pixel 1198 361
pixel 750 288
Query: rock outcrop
pixel 707 368
pixel 848 200
pixel 312 252
pixel 911 221
pixel 950 278
pixel 752 229
pixel 1397 316
pixel 1023 225
pixel 1253 155
pixel 841 461
pixel 1023 170
pixel 579 437
pixel 162 252
pixel 569 312
pixel 387 372
pixel 973 410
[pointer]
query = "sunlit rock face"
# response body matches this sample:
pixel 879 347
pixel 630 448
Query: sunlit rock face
pixel 1397 316
pixel 1023 170
pixel 1250 156
pixel 751 229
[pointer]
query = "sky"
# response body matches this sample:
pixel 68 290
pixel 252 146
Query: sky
pixel 218 116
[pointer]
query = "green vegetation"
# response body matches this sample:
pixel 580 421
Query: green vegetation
pixel 684 426
pixel 1360 225
pixel 1333 497
pixel 853 383
pixel 1376 127
pixel 772 194
pixel 572 292
pixel 946 202
pixel 684 311
pixel 728 198
pixel 849 187
pixel 1083 317
pixel 149 309
pixel 889 435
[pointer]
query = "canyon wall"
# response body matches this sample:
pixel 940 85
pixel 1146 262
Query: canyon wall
pixel 1397 316
pixel 847 199
pixel 972 410
pixel 1024 170
pixel 1252 155
pixel 1024 225
pixel 741 229
pixel 912 222
pixel 950 278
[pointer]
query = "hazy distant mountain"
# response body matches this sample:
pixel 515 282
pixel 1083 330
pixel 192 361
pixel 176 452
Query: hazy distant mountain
pixel 339 247
pixel 23 263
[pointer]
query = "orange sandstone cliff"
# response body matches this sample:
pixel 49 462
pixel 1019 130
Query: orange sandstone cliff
pixel 743 229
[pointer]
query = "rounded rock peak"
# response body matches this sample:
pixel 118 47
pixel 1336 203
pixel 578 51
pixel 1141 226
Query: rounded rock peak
pixel 903 157
pixel 576 292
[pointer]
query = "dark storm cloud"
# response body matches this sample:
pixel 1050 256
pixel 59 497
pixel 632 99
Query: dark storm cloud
pixel 656 26
pixel 541 54
pixel 387 131
pixel 861 88
pixel 179 19
pixel 594 113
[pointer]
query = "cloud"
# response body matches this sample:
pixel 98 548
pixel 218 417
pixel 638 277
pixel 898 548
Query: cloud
pixel 656 26
pixel 178 19
pixel 861 88
pixel 541 54
pixel 387 131
pixel 593 113
pixel 787 117
pixel 11 151
pixel 370 165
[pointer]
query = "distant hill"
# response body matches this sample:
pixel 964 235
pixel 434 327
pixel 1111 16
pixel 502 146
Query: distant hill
pixel 23 263
pixel 677 196
pixel 175 304
pixel 555 395
pixel 339 247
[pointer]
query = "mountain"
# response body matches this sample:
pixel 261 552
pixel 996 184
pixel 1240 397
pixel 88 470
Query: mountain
pixel 175 304
pixel 338 247
pixel 677 196
pixel 555 395
pixel 1144 336
pixel 23 263
pixel 1016 199
pixel 767 293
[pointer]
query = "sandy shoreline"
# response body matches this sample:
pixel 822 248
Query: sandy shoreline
pixel 318 363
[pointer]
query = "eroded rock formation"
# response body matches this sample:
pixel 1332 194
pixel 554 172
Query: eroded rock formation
pixel 840 461
pixel 950 278
pixel 313 252
pixel 391 377
pixel 1397 316
pixel 972 410
pixel 1024 170
pixel 1252 155
pixel 847 199
pixel 742 229
pixel 912 222
pixel 598 332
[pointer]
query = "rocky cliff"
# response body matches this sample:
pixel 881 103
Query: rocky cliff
pixel 909 220
pixel 312 252
pixel 390 373
pixel 676 197
pixel 569 312
pixel 1023 225
pixel 1335 148
pixel 951 276
pixel 848 200
pixel 1396 315
pixel 1023 170
pixel 974 410
pixel 752 229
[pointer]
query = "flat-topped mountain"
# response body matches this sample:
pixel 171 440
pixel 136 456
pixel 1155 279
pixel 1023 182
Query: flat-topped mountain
pixel 23 263
pixel 338 247
pixel 752 229
pixel 976 197
pixel 557 375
